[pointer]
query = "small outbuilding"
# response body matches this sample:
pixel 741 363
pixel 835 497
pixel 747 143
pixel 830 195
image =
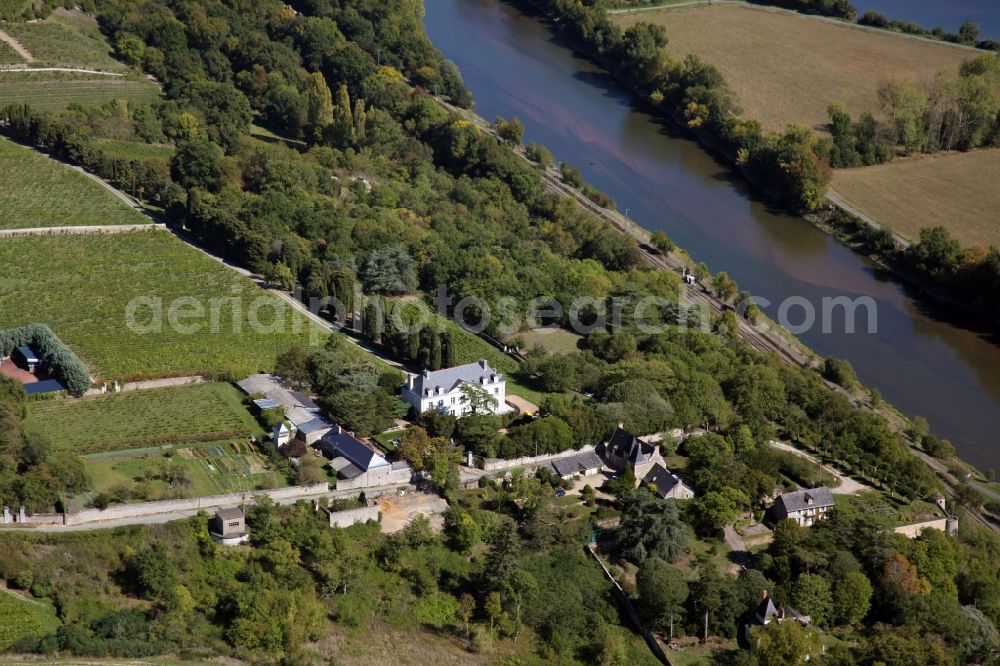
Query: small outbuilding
pixel 26 357
pixel 228 527
pixel 585 463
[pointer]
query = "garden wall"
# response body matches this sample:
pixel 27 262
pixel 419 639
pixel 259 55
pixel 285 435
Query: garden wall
pixel 126 511
pixel 496 464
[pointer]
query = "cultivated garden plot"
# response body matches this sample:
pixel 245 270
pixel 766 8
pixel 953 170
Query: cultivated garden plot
pixel 40 192
pixel 81 286
pixel 174 415
pixel 154 473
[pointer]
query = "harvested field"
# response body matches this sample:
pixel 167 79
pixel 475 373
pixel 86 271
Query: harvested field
pixel 954 190
pixel 788 68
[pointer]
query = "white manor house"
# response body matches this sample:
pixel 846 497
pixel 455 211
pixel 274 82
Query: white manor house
pixel 442 390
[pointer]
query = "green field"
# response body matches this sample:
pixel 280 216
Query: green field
pixel 134 150
pixel 81 286
pixel 21 617
pixel 65 39
pixel 48 194
pixel 215 468
pixel 178 414
pixel 552 340
pixel 54 91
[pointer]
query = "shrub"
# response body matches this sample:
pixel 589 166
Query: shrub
pixel 55 356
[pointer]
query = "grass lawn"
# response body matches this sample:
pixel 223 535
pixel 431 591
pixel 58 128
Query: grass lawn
pixel 788 67
pixel 81 286
pixel 552 340
pixel 54 91
pixel 177 414
pixel 954 190
pixel 134 150
pixel 21 617
pixel 40 192
pixel 213 468
pixel 65 39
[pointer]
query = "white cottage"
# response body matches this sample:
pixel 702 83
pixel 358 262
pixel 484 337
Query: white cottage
pixel 442 390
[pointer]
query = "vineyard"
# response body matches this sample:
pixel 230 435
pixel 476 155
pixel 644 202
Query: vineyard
pixel 178 414
pixel 82 287
pixel 20 617
pixel 28 198
pixel 65 39
pixel 55 91
pixel 8 56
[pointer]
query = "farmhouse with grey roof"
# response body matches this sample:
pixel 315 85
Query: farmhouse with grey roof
pixel 803 506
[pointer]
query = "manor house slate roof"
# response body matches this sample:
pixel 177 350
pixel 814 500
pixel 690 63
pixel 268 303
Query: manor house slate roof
pixel 448 379
pixel 663 479
pixel 806 499
pixel 626 445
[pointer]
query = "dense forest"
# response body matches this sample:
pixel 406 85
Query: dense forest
pixel 368 181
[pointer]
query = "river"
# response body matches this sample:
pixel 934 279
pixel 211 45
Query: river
pixel 923 358
pixel 948 14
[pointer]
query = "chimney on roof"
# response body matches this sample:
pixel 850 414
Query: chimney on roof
pixel 337 429
pixel 483 364
pixel 427 372
pixel 763 595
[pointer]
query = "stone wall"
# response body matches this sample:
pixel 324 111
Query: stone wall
pixel 497 464
pixel 914 530
pixel 384 476
pixel 126 511
pixel 354 516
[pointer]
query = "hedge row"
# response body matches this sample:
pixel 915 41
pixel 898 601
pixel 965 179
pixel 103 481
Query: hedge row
pixel 56 358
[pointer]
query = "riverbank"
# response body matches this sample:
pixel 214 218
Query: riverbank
pixel 769 171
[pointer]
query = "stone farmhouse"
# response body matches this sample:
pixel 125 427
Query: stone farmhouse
pixel 626 451
pixel 803 506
